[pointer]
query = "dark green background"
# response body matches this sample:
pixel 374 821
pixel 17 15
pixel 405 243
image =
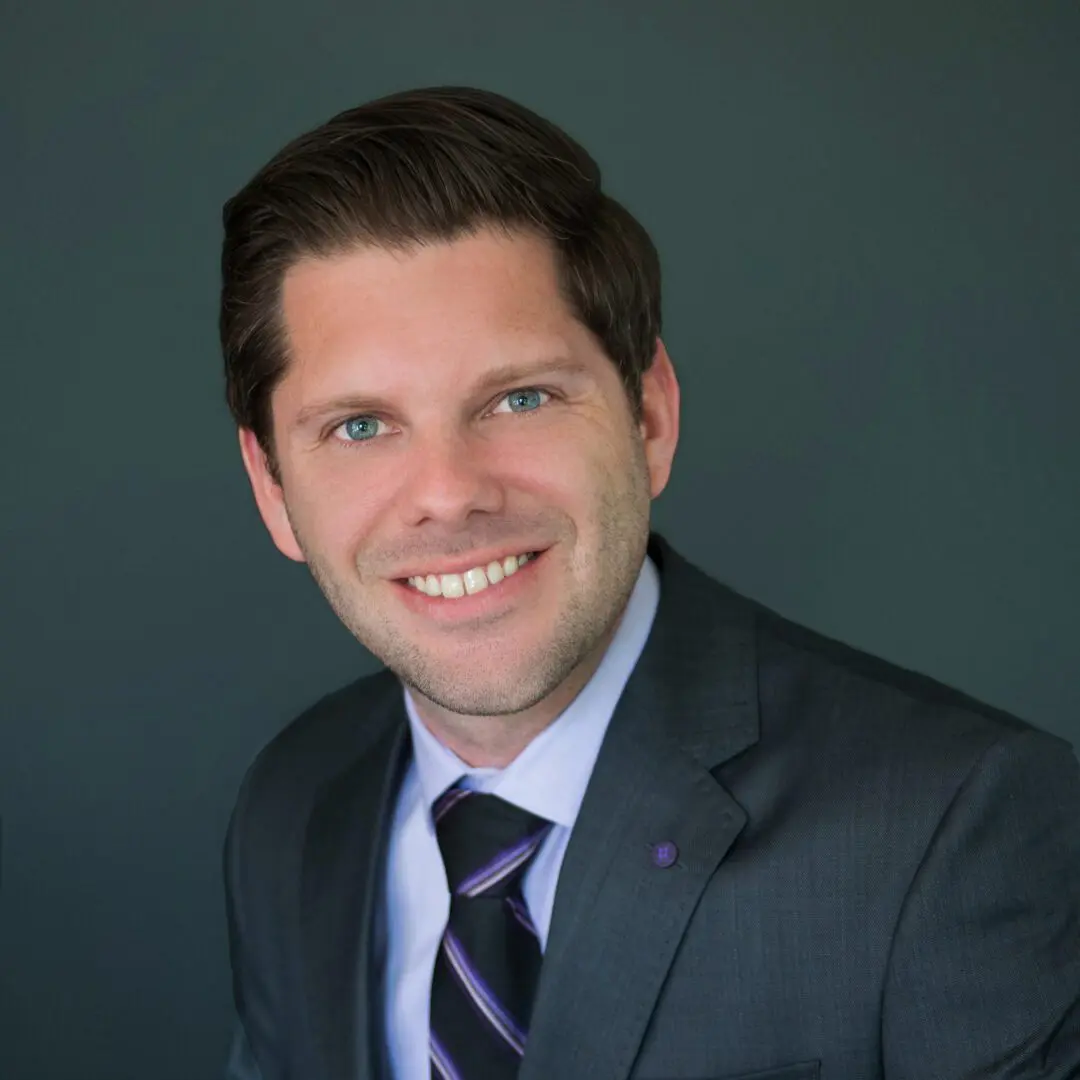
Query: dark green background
pixel 867 215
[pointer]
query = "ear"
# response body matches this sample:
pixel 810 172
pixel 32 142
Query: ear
pixel 269 496
pixel 659 425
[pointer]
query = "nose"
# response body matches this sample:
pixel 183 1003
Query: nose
pixel 448 476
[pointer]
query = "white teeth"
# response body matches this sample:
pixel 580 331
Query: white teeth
pixel 452 585
pixel 472 581
pixel 475 580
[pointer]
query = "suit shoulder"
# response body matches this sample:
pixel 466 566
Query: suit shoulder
pixel 906 744
pixel 321 742
pixel 813 687
pixel 865 690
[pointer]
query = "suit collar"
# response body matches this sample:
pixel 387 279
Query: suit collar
pixel 700 663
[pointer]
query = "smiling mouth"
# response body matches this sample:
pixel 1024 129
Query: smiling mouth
pixel 472 581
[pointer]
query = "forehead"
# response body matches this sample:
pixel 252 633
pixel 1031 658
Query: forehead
pixel 435 297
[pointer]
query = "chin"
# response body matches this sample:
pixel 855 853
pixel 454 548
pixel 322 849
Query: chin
pixel 494 696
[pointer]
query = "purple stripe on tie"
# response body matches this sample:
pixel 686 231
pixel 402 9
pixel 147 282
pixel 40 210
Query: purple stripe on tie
pixel 448 799
pixel 522 915
pixel 481 995
pixel 502 866
pixel 440 1059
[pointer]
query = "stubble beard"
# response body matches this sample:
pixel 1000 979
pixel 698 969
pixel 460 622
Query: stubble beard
pixel 595 595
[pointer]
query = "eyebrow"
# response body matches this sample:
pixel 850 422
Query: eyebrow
pixel 506 374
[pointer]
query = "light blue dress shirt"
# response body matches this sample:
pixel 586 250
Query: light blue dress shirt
pixel 548 778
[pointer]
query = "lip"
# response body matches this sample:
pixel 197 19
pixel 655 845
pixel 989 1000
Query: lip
pixel 493 600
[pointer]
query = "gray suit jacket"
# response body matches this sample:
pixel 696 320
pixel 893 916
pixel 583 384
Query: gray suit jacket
pixel 876 876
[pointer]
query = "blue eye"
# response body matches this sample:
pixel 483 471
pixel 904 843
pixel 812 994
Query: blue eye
pixel 525 400
pixel 360 428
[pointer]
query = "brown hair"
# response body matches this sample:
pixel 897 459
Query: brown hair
pixel 428 165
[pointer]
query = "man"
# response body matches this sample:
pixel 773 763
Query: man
pixel 600 816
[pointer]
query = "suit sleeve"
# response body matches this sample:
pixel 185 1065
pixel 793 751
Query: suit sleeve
pixel 984 974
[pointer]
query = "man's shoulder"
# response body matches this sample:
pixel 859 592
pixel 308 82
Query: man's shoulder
pixel 872 739
pixel 324 740
pixel 843 704
pixel 822 692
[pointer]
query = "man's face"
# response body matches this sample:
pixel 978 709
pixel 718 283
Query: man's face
pixel 443 411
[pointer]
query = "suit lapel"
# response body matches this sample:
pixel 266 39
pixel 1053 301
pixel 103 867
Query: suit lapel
pixel 619 917
pixel 344 855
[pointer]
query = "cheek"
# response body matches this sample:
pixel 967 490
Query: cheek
pixel 337 509
pixel 579 446
pixel 549 471
pixel 579 473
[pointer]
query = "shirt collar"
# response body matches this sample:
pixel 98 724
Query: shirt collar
pixel 549 777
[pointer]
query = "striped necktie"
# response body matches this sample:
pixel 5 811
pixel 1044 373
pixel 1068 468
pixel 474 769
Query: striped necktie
pixel 488 962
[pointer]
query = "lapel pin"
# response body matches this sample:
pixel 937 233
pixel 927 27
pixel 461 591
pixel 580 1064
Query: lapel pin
pixel 665 854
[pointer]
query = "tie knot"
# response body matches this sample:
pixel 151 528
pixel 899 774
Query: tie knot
pixel 486 842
